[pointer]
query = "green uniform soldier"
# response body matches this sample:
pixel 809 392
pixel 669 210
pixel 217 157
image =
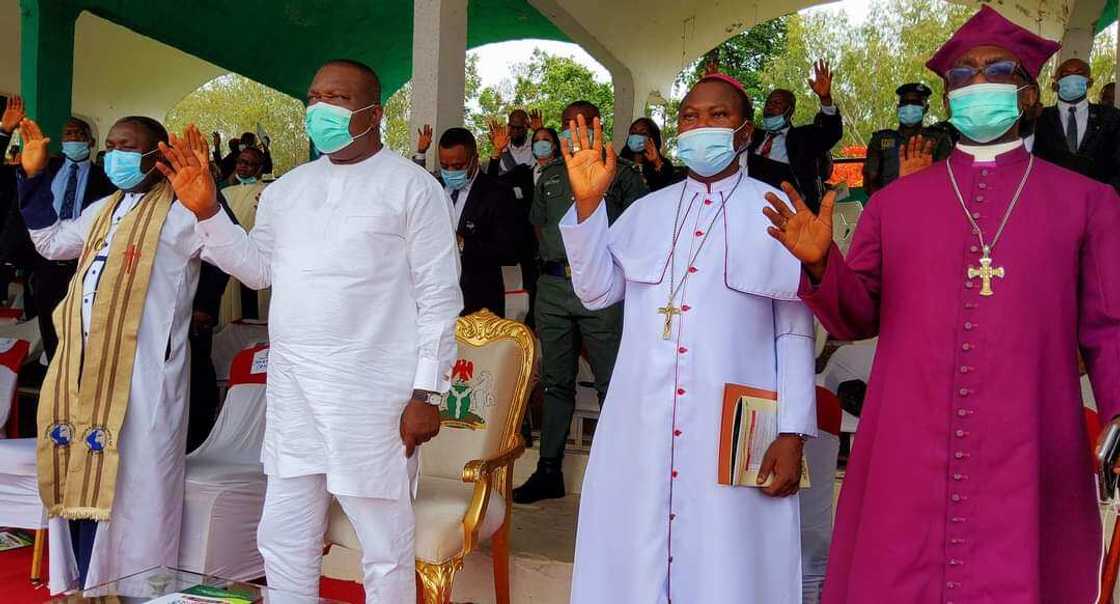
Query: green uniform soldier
pixel 881 167
pixel 563 324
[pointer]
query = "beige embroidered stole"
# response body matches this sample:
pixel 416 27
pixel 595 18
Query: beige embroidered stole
pixel 86 390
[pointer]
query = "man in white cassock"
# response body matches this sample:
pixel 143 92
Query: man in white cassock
pixel 361 257
pixel 708 302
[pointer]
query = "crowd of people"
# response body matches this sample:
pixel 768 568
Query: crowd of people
pixel 969 481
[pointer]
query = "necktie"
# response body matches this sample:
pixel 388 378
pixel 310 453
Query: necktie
pixel 1071 130
pixel 71 192
pixel 455 197
pixel 767 144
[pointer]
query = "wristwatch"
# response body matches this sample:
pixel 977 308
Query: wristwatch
pixel 425 396
pixel 803 437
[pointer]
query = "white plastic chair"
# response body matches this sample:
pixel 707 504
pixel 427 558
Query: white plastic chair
pixel 20 506
pixel 845 216
pixel 849 362
pixel 587 406
pixel 231 340
pixel 225 482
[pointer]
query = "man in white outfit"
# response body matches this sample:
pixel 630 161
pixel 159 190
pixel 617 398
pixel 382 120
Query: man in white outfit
pixel 360 253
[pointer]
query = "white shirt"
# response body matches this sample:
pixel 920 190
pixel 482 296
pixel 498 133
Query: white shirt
pixel 778 151
pixel 364 273
pixel 456 203
pixel 523 155
pixel 93 275
pixel 1081 114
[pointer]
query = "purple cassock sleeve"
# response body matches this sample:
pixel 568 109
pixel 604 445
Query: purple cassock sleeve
pixel 846 301
pixel 1099 314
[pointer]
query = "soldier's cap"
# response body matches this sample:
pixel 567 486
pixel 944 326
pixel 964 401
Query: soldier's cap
pixel 914 88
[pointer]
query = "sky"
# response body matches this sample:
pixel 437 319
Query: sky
pixel 496 60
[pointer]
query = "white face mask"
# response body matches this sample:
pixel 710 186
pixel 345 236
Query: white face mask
pixel 708 151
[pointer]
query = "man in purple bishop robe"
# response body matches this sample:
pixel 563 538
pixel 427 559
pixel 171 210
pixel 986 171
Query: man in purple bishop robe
pixel 971 479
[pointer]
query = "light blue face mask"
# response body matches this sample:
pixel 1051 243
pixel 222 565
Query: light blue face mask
pixel 542 149
pixel 567 135
pixel 773 123
pixel 75 150
pixel 1073 87
pixel 911 115
pixel 247 180
pixel 708 151
pixel 984 112
pixel 454 179
pixel 123 168
pixel 636 142
pixel 328 126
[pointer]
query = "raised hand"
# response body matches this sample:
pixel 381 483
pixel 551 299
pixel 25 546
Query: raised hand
pixel 424 139
pixel 13 114
pixel 188 169
pixel 34 154
pixel 915 155
pixel 499 137
pixel 806 235
pixel 822 81
pixel 536 122
pixel 589 174
pixel 651 153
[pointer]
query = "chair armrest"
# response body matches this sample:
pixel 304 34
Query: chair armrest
pixel 480 471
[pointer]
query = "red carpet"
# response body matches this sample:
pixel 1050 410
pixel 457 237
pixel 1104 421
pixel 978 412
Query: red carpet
pixel 15 568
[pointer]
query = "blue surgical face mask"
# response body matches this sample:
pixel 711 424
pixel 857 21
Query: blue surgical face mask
pixel 123 168
pixel 542 149
pixel 911 115
pixel 328 126
pixel 773 123
pixel 636 142
pixel 708 151
pixel 567 134
pixel 455 179
pixel 247 180
pixel 984 112
pixel 75 150
pixel 1073 87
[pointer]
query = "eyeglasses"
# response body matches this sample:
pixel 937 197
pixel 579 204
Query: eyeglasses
pixel 1001 72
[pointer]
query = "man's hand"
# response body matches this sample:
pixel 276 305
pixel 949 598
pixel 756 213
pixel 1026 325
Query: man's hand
pixel 782 461
pixel 536 122
pixel 499 138
pixel 806 235
pixel 651 154
pixel 419 424
pixel 423 139
pixel 822 82
pixel 34 154
pixel 588 174
pixel 915 155
pixel 189 172
pixel 13 115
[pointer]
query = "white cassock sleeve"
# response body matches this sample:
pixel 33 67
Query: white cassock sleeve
pixel 794 345
pixel 433 259
pixel 65 239
pixel 244 256
pixel 597 279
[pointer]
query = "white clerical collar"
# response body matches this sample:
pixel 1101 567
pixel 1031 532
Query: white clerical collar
pixel 723 184
pixel 1080 105
pixel 988 153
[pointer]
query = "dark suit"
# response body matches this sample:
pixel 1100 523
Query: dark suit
pixel 1097 156
pixel 807 147
pixel 520 178
pixel 49 278
pixel 488 239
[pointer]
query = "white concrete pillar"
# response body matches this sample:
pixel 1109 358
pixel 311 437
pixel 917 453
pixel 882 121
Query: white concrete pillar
pixel 1077 43
pixel 439 54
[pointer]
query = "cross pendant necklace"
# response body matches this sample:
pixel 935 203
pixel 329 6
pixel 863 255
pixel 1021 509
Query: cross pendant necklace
pixel 670 310
pixel 986 271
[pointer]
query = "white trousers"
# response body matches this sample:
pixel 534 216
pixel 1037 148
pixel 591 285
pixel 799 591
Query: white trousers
pixel 816 513
pixel 294 522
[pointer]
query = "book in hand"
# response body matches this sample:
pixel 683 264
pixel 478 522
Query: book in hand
pixel 749 427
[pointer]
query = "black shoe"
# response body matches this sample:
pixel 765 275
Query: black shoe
pixel 543 484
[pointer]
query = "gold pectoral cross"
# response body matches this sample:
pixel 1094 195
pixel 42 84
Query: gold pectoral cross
pixel 986 272
pixel 668 310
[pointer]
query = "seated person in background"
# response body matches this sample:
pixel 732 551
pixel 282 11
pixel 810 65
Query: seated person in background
pixel 643 147
pixel 484 216
pixel 240 302
pixel 781 152
pixel 1076 134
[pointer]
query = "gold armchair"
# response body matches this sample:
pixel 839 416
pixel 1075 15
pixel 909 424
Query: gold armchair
pixel 466 473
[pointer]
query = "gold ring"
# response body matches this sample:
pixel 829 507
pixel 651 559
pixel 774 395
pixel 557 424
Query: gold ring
pixel 576 148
